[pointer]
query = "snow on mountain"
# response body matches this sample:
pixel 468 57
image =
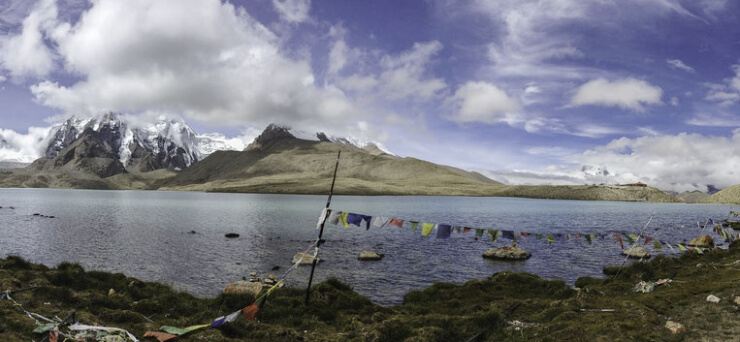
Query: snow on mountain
pixel 166 143
pixel 350 140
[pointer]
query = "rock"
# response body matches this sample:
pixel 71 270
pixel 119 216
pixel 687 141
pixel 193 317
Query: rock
pixel 506 253
pixel 241 286
pixel 713 299
pixel 370 256
pixel 636 252
pixel 275 268
pixel 270 280
pixel 36 214
pixel 111 292
pixel 675 327
pixel 192 232
pixel 232 235
pixel 737 300
pixel 705 241
pixel 307 258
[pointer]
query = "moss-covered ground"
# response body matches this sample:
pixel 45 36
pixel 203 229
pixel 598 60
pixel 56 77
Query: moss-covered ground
pixel 505 307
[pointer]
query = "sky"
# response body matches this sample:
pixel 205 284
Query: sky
pixel 523 91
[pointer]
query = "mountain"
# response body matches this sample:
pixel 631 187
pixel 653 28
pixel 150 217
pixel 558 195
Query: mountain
pixel 164 144
pixel 692 196
pixel 90 153
pixel 280 162
pixel 729 195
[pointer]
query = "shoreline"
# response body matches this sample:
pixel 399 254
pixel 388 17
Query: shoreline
pixel 507 306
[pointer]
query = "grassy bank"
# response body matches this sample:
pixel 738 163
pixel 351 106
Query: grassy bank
pixel 505 307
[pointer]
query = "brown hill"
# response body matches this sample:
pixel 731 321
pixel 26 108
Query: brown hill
pixel 730 195
pixel 277 162
pixel 692 196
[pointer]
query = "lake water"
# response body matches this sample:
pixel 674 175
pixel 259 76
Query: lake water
pixel 144 234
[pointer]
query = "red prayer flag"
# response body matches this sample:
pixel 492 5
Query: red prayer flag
pixel 54 335
pixel 160 336
pixel 396 222
pixel 619 238
pixel 466 230
pixel 250 312
pixel 648 240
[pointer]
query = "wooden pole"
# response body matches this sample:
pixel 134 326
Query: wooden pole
pixel 321 229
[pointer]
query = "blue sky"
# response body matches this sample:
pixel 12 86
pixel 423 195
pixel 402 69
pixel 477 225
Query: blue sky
pixel 523 91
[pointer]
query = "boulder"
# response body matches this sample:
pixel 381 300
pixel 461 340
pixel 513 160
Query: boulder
pixel 241 286
pixel 636 252
pixel 705 241
pixel 370 256
pixel 232 235
pixel 307 258
pixel 675 327
pixel 506 253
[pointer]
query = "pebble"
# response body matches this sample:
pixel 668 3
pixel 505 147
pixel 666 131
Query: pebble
pixel 675 327
pixel 713 299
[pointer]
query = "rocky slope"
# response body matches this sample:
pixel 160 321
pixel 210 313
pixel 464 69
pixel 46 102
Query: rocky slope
pixel 692 196
pixel 729 195
pixel 590 193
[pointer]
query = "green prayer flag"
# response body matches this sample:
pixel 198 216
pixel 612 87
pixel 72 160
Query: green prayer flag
pixel 657 245
pixel 478 232
pixel 538 236
pixel 414 225
pixel 40 328
pixel 629 239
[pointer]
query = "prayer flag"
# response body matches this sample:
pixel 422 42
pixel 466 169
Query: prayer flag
pixel 657 245
pixel 250 312
pixel 354 219
pixel 456 229
pixel 160 336
pixel 647 240
pixel 322 217
pixel 443 231
pixel 619 238
pixel 507 234
pixel 550 238
pixel 334 217
pixel 396 222
pixel 629 239
pixel 466 230
pixel 380 222
pixel 343 219
pixel 479 232
pixel 426 228
pixel 681 247
pixel 225 319
pixel 588 238
pixel 493 234
pixel 525 234
pixel 538 236
pixel 414 225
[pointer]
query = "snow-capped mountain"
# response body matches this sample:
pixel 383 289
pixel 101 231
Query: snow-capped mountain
pixel 166 143
pixel 370 146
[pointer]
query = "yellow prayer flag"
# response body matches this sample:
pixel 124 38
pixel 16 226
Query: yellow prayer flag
pixel 343 219
pixel 426 228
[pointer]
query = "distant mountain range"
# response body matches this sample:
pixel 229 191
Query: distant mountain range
pixel 112 153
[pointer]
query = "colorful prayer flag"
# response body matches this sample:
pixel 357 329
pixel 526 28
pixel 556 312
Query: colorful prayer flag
pixel 657 245
pixel 343 219
pixel 493 234
pixel 550 238
pixel 426 228
pixel 619 238
pixel 479 232
pixel 414 225
pixel 443 231
pixel 396 222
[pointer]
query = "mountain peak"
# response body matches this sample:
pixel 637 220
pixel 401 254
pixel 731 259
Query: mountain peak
pixel 273 133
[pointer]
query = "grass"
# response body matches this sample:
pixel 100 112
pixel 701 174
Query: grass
pixel 479 310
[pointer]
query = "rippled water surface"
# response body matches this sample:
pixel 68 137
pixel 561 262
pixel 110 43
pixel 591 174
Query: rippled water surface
pixel 144 234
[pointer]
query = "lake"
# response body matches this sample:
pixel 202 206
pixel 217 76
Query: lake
pixel 146 234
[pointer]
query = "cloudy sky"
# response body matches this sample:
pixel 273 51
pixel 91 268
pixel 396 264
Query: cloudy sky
pixel 525 91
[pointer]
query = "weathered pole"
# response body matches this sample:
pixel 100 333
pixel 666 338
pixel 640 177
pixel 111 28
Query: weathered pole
pixel 321 229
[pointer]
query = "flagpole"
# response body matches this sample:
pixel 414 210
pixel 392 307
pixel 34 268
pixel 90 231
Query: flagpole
pixel 321 229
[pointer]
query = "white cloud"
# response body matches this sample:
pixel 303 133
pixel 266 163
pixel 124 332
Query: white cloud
pixel 293 11
pixel 728 93
pixel 23 148
pixel 678 64
pixel 675 101
pixel 715 119
pixel 481 102
pixel 670 162
pixel 628 93
pixel 26 54
pixel 404 74
pixel 149 55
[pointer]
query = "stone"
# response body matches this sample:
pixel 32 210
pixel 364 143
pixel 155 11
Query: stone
pixel 232 235
pixel 737 300
pixel 675 327
pixel 506 253
pixel 241 286
pixel 307 258
pixel 705 241
pixel 713 299
pixel 111 292
pixel 636 252
pixel 370 256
